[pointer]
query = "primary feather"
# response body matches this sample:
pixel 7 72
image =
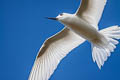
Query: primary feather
pixel 53 50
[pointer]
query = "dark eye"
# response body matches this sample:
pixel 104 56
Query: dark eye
pixel 61 14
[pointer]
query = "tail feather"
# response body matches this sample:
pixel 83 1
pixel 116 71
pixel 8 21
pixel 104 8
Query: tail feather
pixel 101 53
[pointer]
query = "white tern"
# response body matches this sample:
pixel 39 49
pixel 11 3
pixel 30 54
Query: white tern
pixel 79 27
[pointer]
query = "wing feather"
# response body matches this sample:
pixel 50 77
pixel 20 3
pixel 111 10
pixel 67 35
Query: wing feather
pixel 53 50
pixel 91 10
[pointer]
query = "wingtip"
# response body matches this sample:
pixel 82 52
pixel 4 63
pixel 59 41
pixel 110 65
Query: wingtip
pixel 99 67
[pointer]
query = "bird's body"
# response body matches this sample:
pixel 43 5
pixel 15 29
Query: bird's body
pixel 82 28
pixel 79 27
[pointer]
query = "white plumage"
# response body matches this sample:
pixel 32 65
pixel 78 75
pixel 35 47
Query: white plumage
pixel 100 54
pixel 91 10
pixel 53 50
pixel 79 27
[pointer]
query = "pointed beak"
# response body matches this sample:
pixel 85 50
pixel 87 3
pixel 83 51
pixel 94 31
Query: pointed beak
pixel 51 18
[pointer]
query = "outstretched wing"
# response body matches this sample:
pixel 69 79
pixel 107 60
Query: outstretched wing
pixel 53 50
pixel 91 10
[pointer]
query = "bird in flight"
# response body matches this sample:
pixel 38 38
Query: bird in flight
pixel 79 27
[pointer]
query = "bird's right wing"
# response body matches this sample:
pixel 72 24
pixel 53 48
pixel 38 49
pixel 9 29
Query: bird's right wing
pixel 53 50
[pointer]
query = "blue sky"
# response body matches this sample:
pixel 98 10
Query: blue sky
pixel 23 29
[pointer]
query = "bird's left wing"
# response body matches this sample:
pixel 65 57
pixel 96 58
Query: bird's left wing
pixel 51 53
pixel 91 10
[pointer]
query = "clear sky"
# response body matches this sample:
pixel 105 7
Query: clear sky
pixel 23 29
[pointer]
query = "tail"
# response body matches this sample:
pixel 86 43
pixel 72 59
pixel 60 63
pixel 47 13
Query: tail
pixel 101 53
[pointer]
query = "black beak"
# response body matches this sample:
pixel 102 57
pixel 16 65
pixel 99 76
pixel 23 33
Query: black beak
pixel 51 18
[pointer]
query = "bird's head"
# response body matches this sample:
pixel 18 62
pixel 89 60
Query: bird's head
pixel 63 17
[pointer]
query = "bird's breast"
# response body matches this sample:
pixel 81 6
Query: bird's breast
pixel 84 29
